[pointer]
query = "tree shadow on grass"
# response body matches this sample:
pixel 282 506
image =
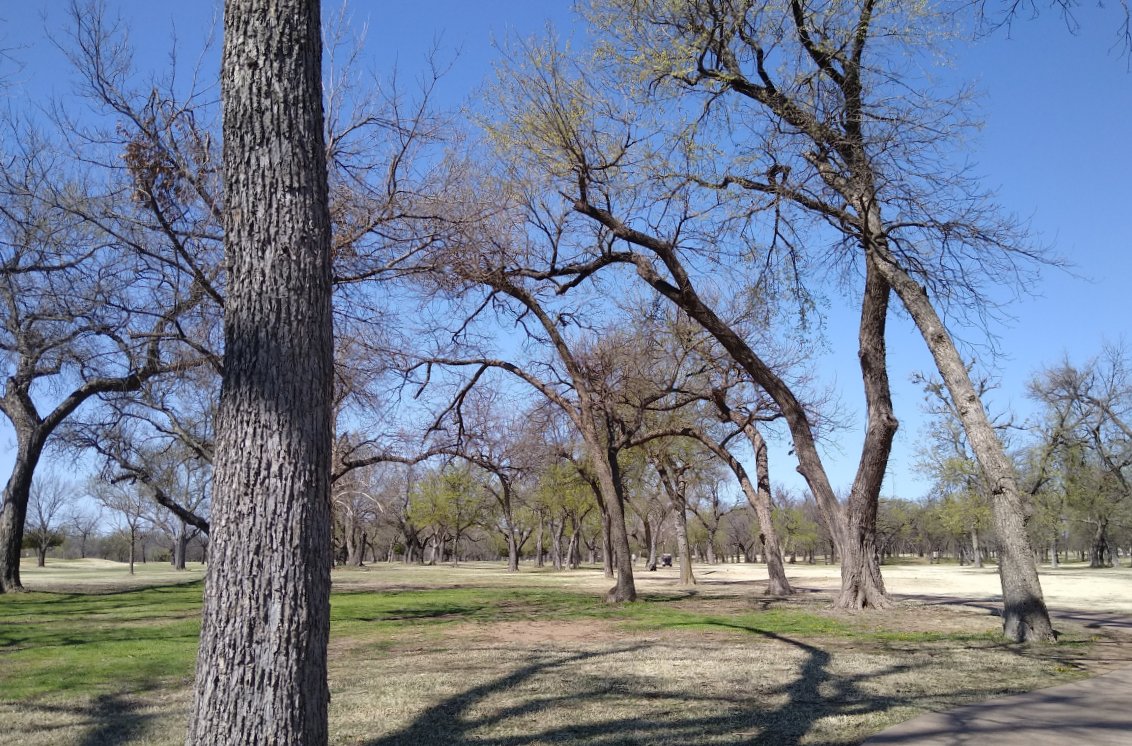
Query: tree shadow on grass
pixel 108 720
pixel 815 693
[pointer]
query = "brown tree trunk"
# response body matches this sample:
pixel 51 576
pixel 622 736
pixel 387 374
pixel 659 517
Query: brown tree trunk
pixel 609 479
pixel 1025 616
pixel 861 582
pixel 261 670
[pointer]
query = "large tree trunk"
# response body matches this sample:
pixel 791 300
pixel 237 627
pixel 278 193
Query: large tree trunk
pixel 13 515
pixel 861 582
pixel 261 670
pixel 1025 616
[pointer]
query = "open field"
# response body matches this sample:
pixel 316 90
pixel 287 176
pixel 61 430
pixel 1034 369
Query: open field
pixel 473 655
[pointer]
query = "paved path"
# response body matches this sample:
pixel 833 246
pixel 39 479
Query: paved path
pixel 1094 712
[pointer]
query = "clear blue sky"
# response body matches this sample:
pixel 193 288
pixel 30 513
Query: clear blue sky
pixel 1057 108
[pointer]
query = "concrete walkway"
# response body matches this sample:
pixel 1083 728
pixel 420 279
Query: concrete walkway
pixel 1094 712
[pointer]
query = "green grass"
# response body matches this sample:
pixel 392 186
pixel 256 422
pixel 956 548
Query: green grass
pixel 86 644
pixel 90 644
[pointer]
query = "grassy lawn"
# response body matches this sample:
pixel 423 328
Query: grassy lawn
pixel 474 655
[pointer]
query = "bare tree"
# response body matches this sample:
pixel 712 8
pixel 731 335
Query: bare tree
pixel 130 507
pixel 50 497
pixel 83 525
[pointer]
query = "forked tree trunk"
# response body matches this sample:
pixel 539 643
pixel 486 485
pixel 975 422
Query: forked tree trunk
pixel 1025 616
pixel 1100 554
pixel 977 553
pixel 261 670
pixel 650 543
pixel 758 495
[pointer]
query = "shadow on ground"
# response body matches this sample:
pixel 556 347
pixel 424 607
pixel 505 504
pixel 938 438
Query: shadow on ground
pixel 739 717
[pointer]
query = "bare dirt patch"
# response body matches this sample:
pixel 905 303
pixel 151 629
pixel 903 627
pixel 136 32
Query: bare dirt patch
pixel 537 633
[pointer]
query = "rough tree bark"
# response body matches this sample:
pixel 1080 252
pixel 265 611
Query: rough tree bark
pixel 861 582
pixel 261 670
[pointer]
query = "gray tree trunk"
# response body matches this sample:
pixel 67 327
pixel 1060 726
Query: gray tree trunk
pixel 13 515
pixel 261 670
pixel 1025 616
pixel 682 548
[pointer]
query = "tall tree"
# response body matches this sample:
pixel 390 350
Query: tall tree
pixel 261 669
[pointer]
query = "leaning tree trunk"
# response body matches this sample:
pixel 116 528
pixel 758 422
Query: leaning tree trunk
pixel 1025 616
pixel 261 670
pixel 861 582
pixel 758 495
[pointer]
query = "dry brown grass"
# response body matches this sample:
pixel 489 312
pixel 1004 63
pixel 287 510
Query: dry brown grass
pixel 501 680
